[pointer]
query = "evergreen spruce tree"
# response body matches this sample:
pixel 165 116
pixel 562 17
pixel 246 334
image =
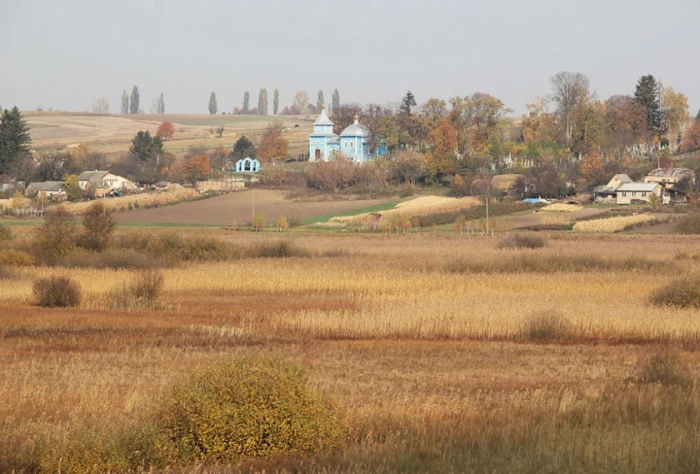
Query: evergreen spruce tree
pixel 14 139
pixel 276 102
pixel 134 102
pixel 321 101
pixel 212 103
pixel 245 110
pixel 335 101
pixel 647 94
pixel 262 102
pixel 408 102
pixel 125 102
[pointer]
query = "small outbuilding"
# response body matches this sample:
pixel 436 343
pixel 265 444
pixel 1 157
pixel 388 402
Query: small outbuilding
pixel 51 189
pixel 248 164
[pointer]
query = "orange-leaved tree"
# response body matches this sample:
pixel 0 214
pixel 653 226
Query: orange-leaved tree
pixel 273 145
pixel 443 142
pixel 165 130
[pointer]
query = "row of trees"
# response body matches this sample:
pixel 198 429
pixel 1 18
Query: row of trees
pixel 300 105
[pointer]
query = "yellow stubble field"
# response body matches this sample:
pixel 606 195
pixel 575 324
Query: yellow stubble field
pixel 434 368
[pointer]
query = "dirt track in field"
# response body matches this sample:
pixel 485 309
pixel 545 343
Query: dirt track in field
pixel 222 210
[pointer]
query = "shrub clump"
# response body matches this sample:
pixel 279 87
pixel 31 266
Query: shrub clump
pixel 123 259
pixel 56 291
pixel 16 258
pixel 142 293
pixel 665 369
pixel 55 238
pixel 521 241
pixel 247 408
pixel 5 233
pixel 545 325
pixel 98 226
pixel 173 248
pixel 682 293
pixel 689 224
pixel 277 249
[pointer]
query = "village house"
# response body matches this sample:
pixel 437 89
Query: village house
pixel 51 189
pixel 102 182
pixel 629 192
pixel 353 142
pixel 669 179
pixel 608 192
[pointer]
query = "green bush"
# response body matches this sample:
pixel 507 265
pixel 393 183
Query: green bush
pixel 689 224
pixel 521 241
pixel 98 226
pixel 682 293
pixel 56 291
pixel 545 325
pixel 247 408
pixel 276 249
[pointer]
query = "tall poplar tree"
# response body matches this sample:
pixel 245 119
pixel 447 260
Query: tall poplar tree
pixel 212 103
pixel 125 102
pixel 320 101
pixel 134 102
pixel 262 102
pixel 245 110
pixel 335 101
pixel 276 102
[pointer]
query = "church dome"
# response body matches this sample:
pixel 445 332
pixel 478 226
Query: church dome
pixel 355 130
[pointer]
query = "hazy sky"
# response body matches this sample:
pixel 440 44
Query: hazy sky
pixel 66 54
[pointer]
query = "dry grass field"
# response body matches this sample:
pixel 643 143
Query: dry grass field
pixel 445 353
pixel 112 134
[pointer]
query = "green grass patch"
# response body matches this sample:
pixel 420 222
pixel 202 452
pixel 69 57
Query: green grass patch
pixel 384 206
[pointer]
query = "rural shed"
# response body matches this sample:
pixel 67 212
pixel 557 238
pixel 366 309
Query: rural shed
pixel 49 188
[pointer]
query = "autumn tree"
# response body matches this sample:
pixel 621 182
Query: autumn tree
pixel 101 106
pixel 55 238
pixel 335 101
pixel 593 170
pixel 691 138
pixel 165 130
pixel 538 125
pixel 245 109
pixel 320 101
pixel 73 190
pixel 14 139
pixel 262 102
pixel 301 102
pixel 674 109
pixel 344 116
pixel 276 102
pixel 625 122
pixel 125 102
pixel 589 127
pixel 98 227
pixel 409 166
pixel 441 159
pixel 483 114
pixel 134 101
pixel 570 90
pixel 212 103
pixel 434 112
pixel 55 166
pixel 372 116
pixel 273 145
pixel 197 168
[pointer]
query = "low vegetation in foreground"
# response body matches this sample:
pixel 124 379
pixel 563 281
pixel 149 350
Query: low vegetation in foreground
pixel 419 352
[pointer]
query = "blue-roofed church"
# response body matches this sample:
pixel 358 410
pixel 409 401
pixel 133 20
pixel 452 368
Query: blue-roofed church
pixel 353 142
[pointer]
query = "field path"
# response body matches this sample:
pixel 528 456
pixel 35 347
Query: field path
pixel 221 210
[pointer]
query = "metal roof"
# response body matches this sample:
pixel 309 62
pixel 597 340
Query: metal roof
pixel 323 118
pixel 355 130
pixel 638 187
pixel 92 175
pixel 671 173
pixel 48 186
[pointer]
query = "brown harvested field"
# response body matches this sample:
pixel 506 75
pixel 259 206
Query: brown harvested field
pixel 112 134
pixel 529 219
pixel 222 210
